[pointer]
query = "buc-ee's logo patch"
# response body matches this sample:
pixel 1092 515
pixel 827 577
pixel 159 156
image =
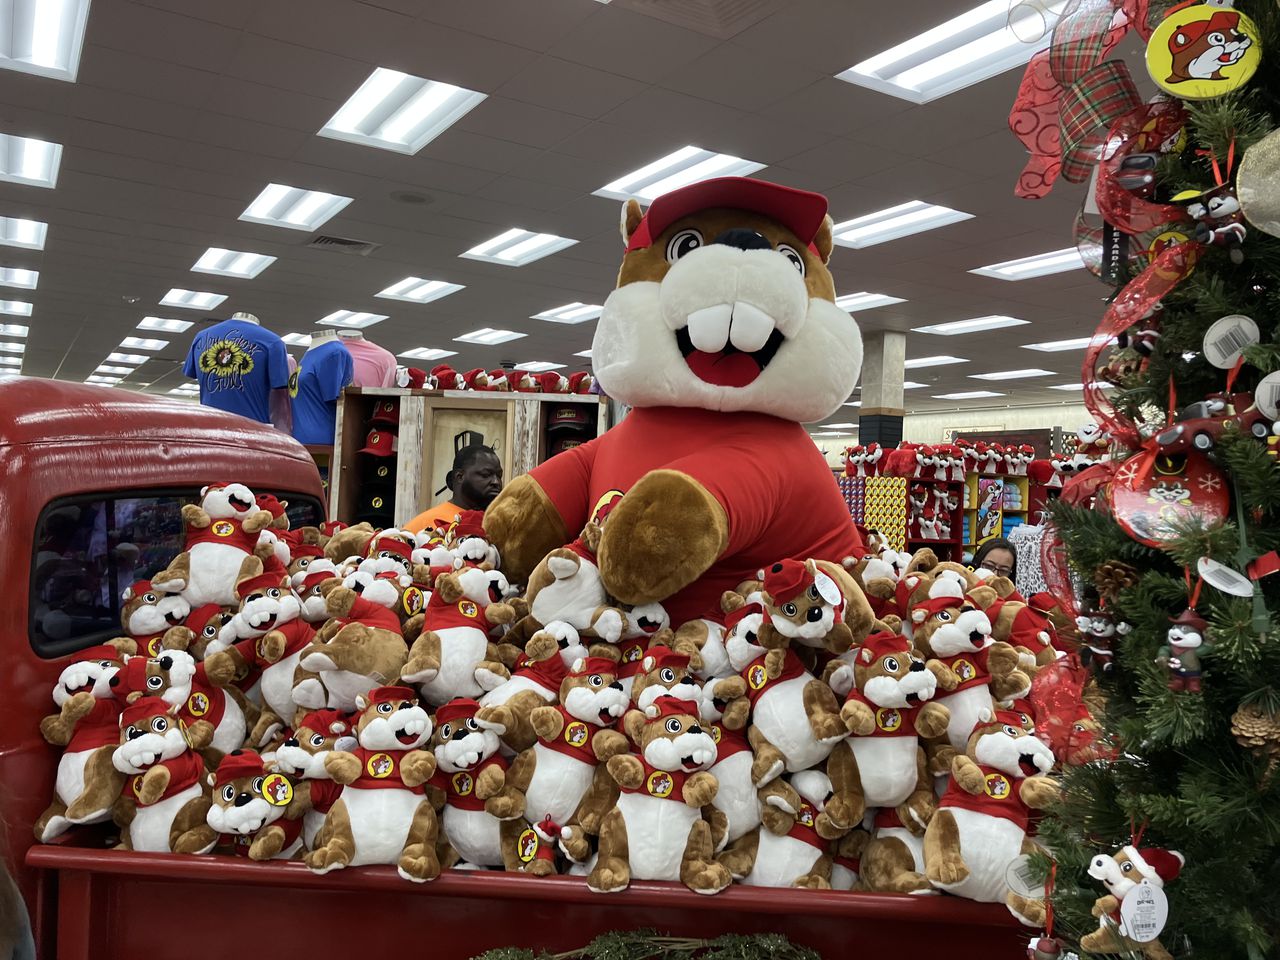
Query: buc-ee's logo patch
pixel 197 704
pixel 277 790
pixel 660 784
pixel 463 784
pixel 223 528
pixel 964 670
pixel 413 600
pixel 888 719
pixel 527 845
pixel 380 766
pixel 997 786
pixel 757 676
pixel 575 734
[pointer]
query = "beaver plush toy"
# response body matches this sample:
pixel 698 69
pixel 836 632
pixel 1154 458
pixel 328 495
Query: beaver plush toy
pixel 722 335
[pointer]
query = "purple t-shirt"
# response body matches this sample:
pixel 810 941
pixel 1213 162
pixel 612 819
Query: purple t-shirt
pixel 238 364
pixel 315 388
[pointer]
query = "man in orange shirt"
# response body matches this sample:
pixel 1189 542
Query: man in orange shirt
pixel 475 479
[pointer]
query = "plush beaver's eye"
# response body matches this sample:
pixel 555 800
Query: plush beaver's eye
pixel 471 724
pixel 228 793
pixel 274 593
pixel 596 680
pixel 793 255
pixel 159 724
pixel 1012 731
pixel 105 664
pixel 1078 728
pixel 812 592
pixel 891 664
pixel 446 731
pixel 673 725
pixel 667 675
pixel 943 615
pixel 317 740
pixel 684 242
pixel 155 683
pixel 790 609
pixel 385 708
pixel 1216 39
pixel 150 598
pixel 257 784
pixel 209 631
pixel 1126 867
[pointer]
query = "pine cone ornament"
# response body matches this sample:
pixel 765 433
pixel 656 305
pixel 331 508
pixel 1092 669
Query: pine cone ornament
pixel 1258 731
pixel 1112 576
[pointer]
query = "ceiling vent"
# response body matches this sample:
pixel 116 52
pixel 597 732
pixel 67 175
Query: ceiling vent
pixel 721 19
pixel 352 248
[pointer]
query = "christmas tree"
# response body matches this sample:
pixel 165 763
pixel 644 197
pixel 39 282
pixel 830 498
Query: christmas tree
pixel 1192 482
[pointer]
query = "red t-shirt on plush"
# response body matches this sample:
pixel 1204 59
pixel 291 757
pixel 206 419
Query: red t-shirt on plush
pixel 779 495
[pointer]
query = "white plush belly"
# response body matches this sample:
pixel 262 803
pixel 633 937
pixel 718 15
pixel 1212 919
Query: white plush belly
pixel 276 686
pixel 842 878
pixel 781 861
pixel 312 821
pixel 149 831
pixel 965 707
pixel 70 781
pixel 780 715
pixel 380 821
pixel 913 843
pixel 737 794
pixel 214 568
pixel 987 846
pixel 558 785
pixel 461 650
pixel 230 732
pixel 344 686
pixel 513 686
pixel 887 766
pixel 474 834
pixel 657 834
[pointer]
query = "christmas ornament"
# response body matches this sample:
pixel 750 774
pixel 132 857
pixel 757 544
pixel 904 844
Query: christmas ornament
pixel 1258 184
pixel 1098 631
pixel 1154 496
pixel 1222 577
pixel 1181 654
pixel 1133 872
pixel 1203 51
pixel 1112 576
pixel 1257 730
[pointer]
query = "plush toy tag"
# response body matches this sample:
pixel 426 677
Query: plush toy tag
pixel 1022 879
pixel 1226 339
pixel 1221 576
pixel 1144 912
pixel 827 588
pixel 346 744
pixel 1267 395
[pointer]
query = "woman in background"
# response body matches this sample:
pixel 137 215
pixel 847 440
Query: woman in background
pixel 998 556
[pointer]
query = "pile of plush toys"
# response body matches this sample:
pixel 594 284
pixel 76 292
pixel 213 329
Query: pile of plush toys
pixel 357 696
pixel 444 377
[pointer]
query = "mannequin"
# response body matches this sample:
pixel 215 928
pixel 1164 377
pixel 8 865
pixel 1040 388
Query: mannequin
pixel 242 368
pixel 247 318
pixel 374 366
pixel 325 369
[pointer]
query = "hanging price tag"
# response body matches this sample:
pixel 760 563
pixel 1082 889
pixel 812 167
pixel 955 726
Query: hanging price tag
pixel 1227 338
pixel 1021 879
pixel 1144 912
pixel 1222 577
pixel 1267 395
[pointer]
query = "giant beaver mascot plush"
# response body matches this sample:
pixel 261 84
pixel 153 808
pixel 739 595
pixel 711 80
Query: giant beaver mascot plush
pixel 723 336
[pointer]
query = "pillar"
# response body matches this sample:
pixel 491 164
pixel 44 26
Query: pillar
pixel 880 416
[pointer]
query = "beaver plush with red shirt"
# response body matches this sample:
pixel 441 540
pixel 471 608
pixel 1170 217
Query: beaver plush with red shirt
pixel 723 336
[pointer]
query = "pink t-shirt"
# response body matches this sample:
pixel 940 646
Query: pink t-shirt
pixel 375 367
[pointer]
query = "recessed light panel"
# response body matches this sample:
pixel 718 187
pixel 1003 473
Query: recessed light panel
pixel 687 165
pixel 1077 387
pixel 108 368
pixel 102 381
pixel 967 395
pixel 418 290
pixel 15 308
pixel 866 301
pixel 297 339
pixel 43 37
pixel 143 343
pixel 1012 374
pixel 19 277
pixel 938 361
pixel 984 42
pixel 397 111
pixel 487 336
pixel 538 366
pixel 351 318
pixel 839 426
pixel 583 353
pixel 905 219
pixel 10 361
pixel 293 208
pixel 575 312
pixel 8 346
pixel 976 325
pixel 117 357
pixel 232 263
pixel 516 247
pixel 30 162
pixel 912 385
pixel 427 353
pixel 1056 346
pixel 191 299
pixel 852 403
pixel 1041 265
pixel 165 324
pixel 13 330
pixel 27 234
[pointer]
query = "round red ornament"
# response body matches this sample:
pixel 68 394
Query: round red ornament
pixel 1150 508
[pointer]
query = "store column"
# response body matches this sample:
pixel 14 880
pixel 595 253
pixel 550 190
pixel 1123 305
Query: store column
pixel 880 420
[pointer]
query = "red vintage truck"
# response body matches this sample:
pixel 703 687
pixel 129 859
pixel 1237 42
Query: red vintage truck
pixel 91 484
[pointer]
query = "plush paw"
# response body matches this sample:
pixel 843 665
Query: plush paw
pixel 220 668
pixel 271 647
pixel 499 719
pixel 828 728
pixel 574 844
pixel 604 880
pixel 323 859
pixel 765 771
pixel 506 806
pixel 309 694
pixel 420 670
pixel 812 882
pixel 490 675
pixel 608 626
pixel 948 871
pixel 419 869
pixel 712 878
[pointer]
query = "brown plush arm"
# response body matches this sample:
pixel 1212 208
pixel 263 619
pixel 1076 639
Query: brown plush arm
pixel 548 722
pixel 932 720
pixel 1039 792
pixel 490 782
pixel 858 717
pixel 342 767
pixel 417 767
pixel 968 774
pixel 626 770
pixel 609 743
pixel 700 789
pixel 1104 905
pixel 524 525
pixel 58 727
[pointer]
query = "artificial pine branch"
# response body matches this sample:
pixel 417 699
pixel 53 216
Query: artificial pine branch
pixel 648 944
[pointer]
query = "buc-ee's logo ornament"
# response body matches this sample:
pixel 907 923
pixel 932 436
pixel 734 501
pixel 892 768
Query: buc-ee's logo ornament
pixel 1203 50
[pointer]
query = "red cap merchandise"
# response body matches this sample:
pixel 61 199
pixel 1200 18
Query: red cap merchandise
pixel 391 695
pixel 565 443
pixel 255 584
pixel 386 412
pixel 785 580
pixel 138 588
pixel 881 643
pixel 672 707
pixel 237 764
pixel 592 665
pixel 143 709
pixel 666 657
pixel 459 708
pixel 570 416
pixel 320 576
pixel 417 378
pixel 307 550
pixel 394 545
pixel 103 652
pixel 470 523
pixel 380 443
pixel 733 618
pixel 325 721
pixel 199 617
pixel 271 503
pixel 1002 718
pixel 799 211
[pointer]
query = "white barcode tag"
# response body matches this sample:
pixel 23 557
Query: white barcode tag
pixel 1226 339
pixel 827 589
pixel 1144 912
pixel 1222 577
pixel 1267 395
pixel 1022 879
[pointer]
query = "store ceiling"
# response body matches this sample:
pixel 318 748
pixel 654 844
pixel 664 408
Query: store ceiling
pixel 185 110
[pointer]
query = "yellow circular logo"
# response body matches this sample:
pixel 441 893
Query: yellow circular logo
pixel 413 601
pixel 277 790
pixel 467 608
pixel 964 670
pixel 383 470
pixel 805 816
pixel 1203 51
pixel 997 786
pixel 527 845
pixel 373 436
pixel 660 783
pixel 888 719
pixel 757 676
pixel 380 766
pixel 223 528
pixel 376 503
pixel 153 647
pixel 575 734
pixel 386 407
pixel 136 785
pixel 632 653
pixel 463 784
pixel 607 499
pixel 197 704
pixel 716 732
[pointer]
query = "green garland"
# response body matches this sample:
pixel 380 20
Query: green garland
pixel 648 943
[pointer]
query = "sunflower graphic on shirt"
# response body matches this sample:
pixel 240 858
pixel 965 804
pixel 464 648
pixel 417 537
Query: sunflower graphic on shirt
pixel 228 361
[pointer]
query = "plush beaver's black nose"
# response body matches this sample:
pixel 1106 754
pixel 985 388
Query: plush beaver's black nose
pixel 743 239
pixel 242 799
pixel 814 614
pixel 917 665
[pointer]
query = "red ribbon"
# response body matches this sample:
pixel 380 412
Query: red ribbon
pixel 1142 130
pixel 1056 573
pixel 1264 566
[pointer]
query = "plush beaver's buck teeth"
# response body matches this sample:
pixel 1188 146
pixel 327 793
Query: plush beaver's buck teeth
pixel 751 327
pixel 709 327
pixel 741 324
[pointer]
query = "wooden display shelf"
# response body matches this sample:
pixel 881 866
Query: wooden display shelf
pixel 985 521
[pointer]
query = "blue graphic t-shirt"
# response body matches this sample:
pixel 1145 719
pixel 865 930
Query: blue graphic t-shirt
pixel 315 388
pixel 238 364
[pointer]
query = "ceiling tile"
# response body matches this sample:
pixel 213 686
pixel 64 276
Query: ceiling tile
pixel 652 48
pixel 717 76
pixel 578 90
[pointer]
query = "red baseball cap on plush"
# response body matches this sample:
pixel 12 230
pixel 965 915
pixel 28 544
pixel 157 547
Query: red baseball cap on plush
pixel 666 657
pixel 592 665
pixel 385 411
pixel 104 651
pixel 880 643
pixel 671 707
pixel 270 503
pixel 785 579
pixel 459 708
pixel 306 550
pixel 199 617
pixel 254 584
pixel 470 524
pixel 799 211
pixel 237 764
pixel 733 618
pixel 143 709
pixel 320 576
pixel 394 545
pixel 325 721
pixel 391 695
pixel 379 443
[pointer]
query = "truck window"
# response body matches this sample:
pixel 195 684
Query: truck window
pixel 88 549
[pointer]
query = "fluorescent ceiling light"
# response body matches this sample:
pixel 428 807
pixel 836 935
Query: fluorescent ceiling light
pixel 292 207
pixel 165 324
pixel 967 395
pixel 13 330
pixel 15 308
pixel 418 290
pixel 968 49
pixel 397 111
pixel 108 368
pixel 866 301
pixel 575 312
pixel 852 403
pixel 583 353
pixel 488 336
pixel 143 343
pixel 105 381
pixel 538 366
pixel 10 361
pixel 427 353
pixel 687 165
pixel 351 318
pixel 912 385
pixel 838 426
pixel 117 357
pixel 297 339
pixel 185 391
pixel 1041 265
pixel 30 162
pixel 18 277
pixel 938 361
pixel 27 234
pixel 8 346
pixel 43 37
pixel 1054 346
pixel 1012 374
pixel 975 325
pixel 1077 387
pixel 516 247
pixel 914 216
pixel 232 263
pixel 191 299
